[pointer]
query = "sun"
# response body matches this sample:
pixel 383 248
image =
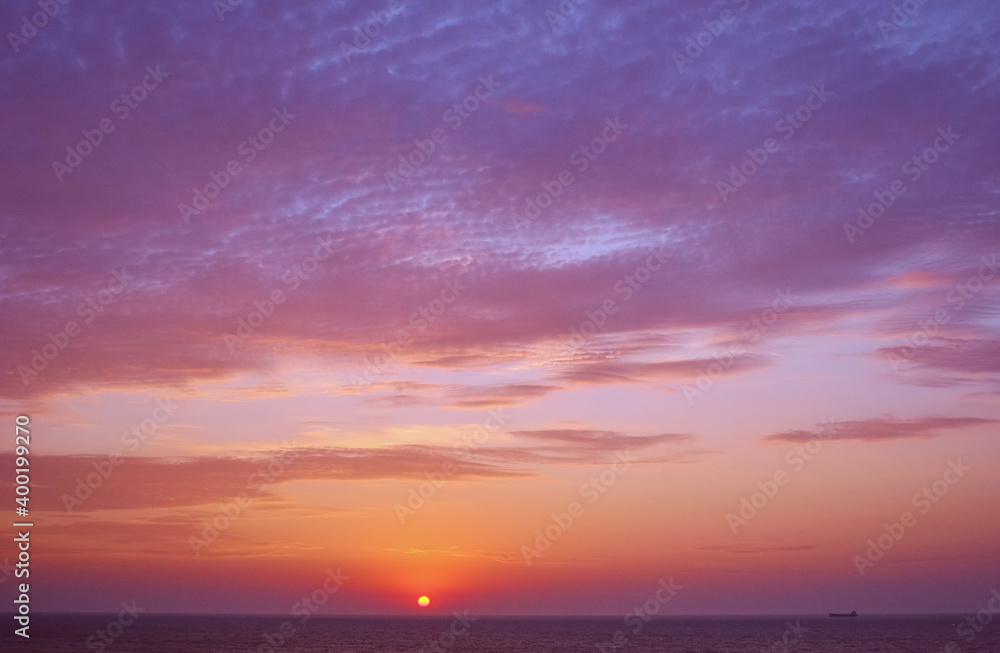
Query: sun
pixel 423 601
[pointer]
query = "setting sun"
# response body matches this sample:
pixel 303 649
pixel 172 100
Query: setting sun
pixel 787 192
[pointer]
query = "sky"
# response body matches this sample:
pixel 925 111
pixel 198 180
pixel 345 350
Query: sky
pixel 527 307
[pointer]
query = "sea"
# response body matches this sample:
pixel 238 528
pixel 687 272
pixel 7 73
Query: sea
pixel 432 634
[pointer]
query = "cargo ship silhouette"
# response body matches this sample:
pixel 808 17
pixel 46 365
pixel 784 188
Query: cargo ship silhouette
pixel 852 613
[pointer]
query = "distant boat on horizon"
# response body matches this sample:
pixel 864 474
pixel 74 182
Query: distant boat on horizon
pixel 852 613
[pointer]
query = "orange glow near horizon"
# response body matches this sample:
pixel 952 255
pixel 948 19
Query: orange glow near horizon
pixel 618 329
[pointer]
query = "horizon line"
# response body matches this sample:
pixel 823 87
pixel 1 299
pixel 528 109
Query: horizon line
pixel 512 616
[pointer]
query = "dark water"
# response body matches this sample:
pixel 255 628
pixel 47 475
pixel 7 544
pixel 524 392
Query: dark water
pixel 217 634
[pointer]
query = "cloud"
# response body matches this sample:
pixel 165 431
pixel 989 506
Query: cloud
pixel 401 400
pixel 467 361
pixel 88 483
pixel 601 440
pixel 511 394
pixel 324 176
pixel 522 107
pixel 143 482
pixel 161 537
pixel 947 361
pixel 753 548
pixel 459 396
pixel 677 371
pixel 886 429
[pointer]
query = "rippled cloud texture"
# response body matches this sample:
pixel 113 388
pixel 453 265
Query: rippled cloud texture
pixel 496 244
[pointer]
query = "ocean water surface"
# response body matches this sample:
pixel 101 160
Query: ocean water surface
pixel 267 634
